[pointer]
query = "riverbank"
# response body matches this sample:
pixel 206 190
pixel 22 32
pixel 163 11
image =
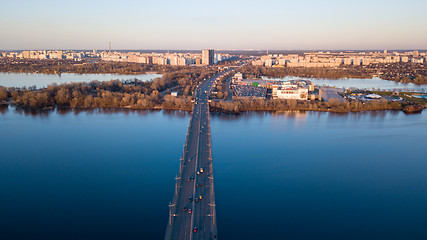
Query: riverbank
pixel 156 95
pixel 53 66
pixel 398 72
pixel 240 106
pixel 237 107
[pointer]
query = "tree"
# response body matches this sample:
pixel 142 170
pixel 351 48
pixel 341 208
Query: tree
pixel 3 94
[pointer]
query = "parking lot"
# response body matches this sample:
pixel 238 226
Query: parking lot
pixel 249 91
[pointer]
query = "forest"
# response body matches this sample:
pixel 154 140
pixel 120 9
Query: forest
pixel 333 105
pixel 399 72
pixel 53 66
pixel 148 95
pixel 134 94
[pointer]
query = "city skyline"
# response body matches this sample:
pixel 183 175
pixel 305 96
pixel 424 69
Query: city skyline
pixel 194 25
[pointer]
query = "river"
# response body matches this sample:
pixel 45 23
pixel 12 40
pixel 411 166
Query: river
pixel 295 175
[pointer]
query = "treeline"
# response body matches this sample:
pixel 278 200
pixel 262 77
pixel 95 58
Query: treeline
pixel 419 79
pixel 333 105
pixel 111 94
pixel 143 95
pixel 399 72
pixel 332 73
pixel 3 94
pixel 53 66
pixel 133 94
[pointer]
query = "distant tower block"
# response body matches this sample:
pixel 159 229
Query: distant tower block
pixel 109 45
pixel 415 54
pixel 208 57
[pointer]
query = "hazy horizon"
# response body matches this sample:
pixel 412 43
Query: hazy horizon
pixel 221 50
pixel 228 25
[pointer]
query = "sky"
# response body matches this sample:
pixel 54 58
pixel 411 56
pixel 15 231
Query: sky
pixel 217 24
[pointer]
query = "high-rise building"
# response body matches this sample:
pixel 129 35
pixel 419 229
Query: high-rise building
pixel 208 57
pixel 415 53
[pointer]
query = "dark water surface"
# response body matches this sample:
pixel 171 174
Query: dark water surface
pixel 109 175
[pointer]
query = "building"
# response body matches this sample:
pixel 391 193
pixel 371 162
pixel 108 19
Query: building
pixel 289 92
pixel 208 57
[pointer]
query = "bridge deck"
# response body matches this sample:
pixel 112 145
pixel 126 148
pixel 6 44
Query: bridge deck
pixel 191 181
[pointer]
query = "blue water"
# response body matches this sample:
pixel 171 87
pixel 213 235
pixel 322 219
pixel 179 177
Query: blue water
pixel 295 175
pixel 321 176
pixel 88 175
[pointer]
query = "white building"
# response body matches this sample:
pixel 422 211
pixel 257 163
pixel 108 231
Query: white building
pixel 289 92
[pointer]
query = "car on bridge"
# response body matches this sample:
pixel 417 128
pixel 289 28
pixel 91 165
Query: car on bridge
pixel 190 179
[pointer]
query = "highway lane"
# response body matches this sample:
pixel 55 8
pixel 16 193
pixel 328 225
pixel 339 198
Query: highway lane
pixel 195 184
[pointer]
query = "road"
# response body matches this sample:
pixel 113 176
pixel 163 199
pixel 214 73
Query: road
pixel 194 187
pixel 228 86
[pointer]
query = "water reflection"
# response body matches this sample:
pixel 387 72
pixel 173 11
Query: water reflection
pixel 296 117
pixel 42 113
pixel 4 108
pixel 176 113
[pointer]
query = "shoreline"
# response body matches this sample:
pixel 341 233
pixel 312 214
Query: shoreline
pixel 215 111
pixel 266 77
pixel 81 73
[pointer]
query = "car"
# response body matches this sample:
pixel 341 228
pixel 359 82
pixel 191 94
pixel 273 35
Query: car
pixel 200 197
pixel 197 185
pixel 189 211
pixel 190 199
pixel 190 179
pixel 198 172
pixel 195 229
pixel 185 209
pixel 197 200
pixel 201 170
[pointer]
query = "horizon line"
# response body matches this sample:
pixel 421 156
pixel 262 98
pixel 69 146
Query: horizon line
pixel 244 50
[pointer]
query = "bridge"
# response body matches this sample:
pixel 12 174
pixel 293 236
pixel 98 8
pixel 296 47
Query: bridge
pixel 192 212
